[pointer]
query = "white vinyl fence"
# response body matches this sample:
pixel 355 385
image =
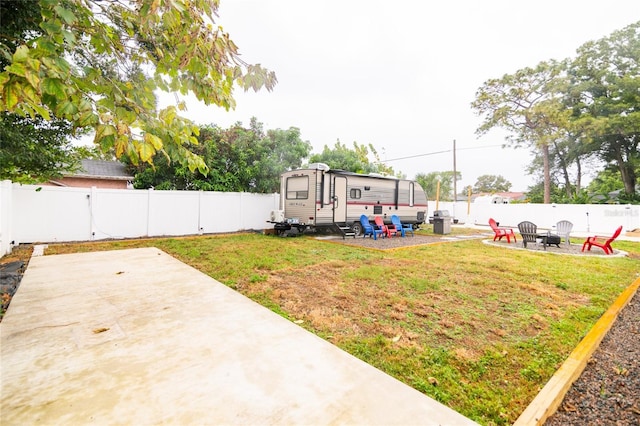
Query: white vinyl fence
pixel 32 213
pixel 593 219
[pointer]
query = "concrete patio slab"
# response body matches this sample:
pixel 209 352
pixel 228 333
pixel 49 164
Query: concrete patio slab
pixel 137 337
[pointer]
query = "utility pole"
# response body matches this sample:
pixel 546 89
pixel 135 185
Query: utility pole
pixel 455 180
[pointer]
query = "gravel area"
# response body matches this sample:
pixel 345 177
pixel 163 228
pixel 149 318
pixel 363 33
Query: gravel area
pixel 408 241
pixel 608 391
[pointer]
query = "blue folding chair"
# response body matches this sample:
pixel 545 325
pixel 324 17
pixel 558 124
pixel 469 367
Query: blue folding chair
pixel 368 229
pixel 403 228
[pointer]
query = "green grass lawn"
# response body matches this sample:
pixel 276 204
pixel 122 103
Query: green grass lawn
pixel 477 327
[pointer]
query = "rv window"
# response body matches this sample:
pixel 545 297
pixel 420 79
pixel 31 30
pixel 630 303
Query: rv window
pixel 355 193
pixel 298 188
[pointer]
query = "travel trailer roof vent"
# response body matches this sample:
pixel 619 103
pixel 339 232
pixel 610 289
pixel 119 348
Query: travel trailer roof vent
pixel 319 166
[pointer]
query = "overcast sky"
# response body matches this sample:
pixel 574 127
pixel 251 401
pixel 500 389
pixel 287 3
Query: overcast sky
pixel 401 74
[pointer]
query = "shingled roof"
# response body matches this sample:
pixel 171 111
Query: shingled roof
pixel 103 169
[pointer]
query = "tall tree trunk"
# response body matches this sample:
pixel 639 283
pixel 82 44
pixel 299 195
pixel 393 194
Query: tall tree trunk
pixel 627 173
pixel 562 162
pixel 547 174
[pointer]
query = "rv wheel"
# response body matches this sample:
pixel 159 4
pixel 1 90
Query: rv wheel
pixel 357 228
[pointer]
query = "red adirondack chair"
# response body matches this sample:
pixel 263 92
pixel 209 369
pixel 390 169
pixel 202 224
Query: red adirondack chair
pixel 501 232
pixel 387 230
pixel 603 242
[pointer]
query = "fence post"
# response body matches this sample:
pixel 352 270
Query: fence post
pixel 149 192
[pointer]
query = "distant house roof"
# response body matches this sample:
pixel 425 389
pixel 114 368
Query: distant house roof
pixel 102 169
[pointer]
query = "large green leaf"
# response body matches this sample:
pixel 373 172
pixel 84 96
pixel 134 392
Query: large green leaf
pixel 104 130
pixel 55 87
pixel 11 95
pixel 17 69
pixel 146 150
pixel 66 109
pixel 67 15
pixel 32 77
pixel 52 27
pixel 153 140
pixel 21 54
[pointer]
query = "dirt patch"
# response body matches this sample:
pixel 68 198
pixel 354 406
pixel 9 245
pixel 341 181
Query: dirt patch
pixel 399 242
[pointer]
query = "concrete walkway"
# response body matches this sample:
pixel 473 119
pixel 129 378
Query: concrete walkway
pixel 136 337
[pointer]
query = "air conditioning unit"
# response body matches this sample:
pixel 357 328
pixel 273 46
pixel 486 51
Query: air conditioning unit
pixel 277 215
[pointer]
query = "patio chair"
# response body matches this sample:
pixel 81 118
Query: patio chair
pixel 599 241
pixel 403 228
pixel 501 232
pixel 563 228
pixel 368 229
pixel 529 232
pixel 386 230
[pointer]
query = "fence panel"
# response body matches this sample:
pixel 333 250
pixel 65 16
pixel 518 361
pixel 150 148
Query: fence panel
pixel 117 213
pixel 50 214
pixel 601 219
pixel 173 213
pixel 31 213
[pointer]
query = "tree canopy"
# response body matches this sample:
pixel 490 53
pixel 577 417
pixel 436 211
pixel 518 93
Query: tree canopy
pixel 605 100
pixel 526 104
pixel 491 184
pixel 568 112
pixel 99 63
pixel 239 159
pixel 34 147
pixel 355 160
pixel 31 149
pixel 429 183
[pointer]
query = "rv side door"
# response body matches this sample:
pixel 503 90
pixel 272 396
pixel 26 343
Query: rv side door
pixel 340 199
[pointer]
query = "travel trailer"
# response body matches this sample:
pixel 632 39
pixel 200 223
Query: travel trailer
pixel 318 197
pixel 492 199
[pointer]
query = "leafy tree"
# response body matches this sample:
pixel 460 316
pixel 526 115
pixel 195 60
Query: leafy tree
pixel 429 183
pixel 98 64
pixel 606 100
pixel 354 160
pixel 281 150
pixel 239 159
pixel 528 105
pixel 607 181
pixel 491 183
pixel 607 186
pixel 34 150
pixel 31 149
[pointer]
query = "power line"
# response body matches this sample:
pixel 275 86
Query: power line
pixel 439 152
